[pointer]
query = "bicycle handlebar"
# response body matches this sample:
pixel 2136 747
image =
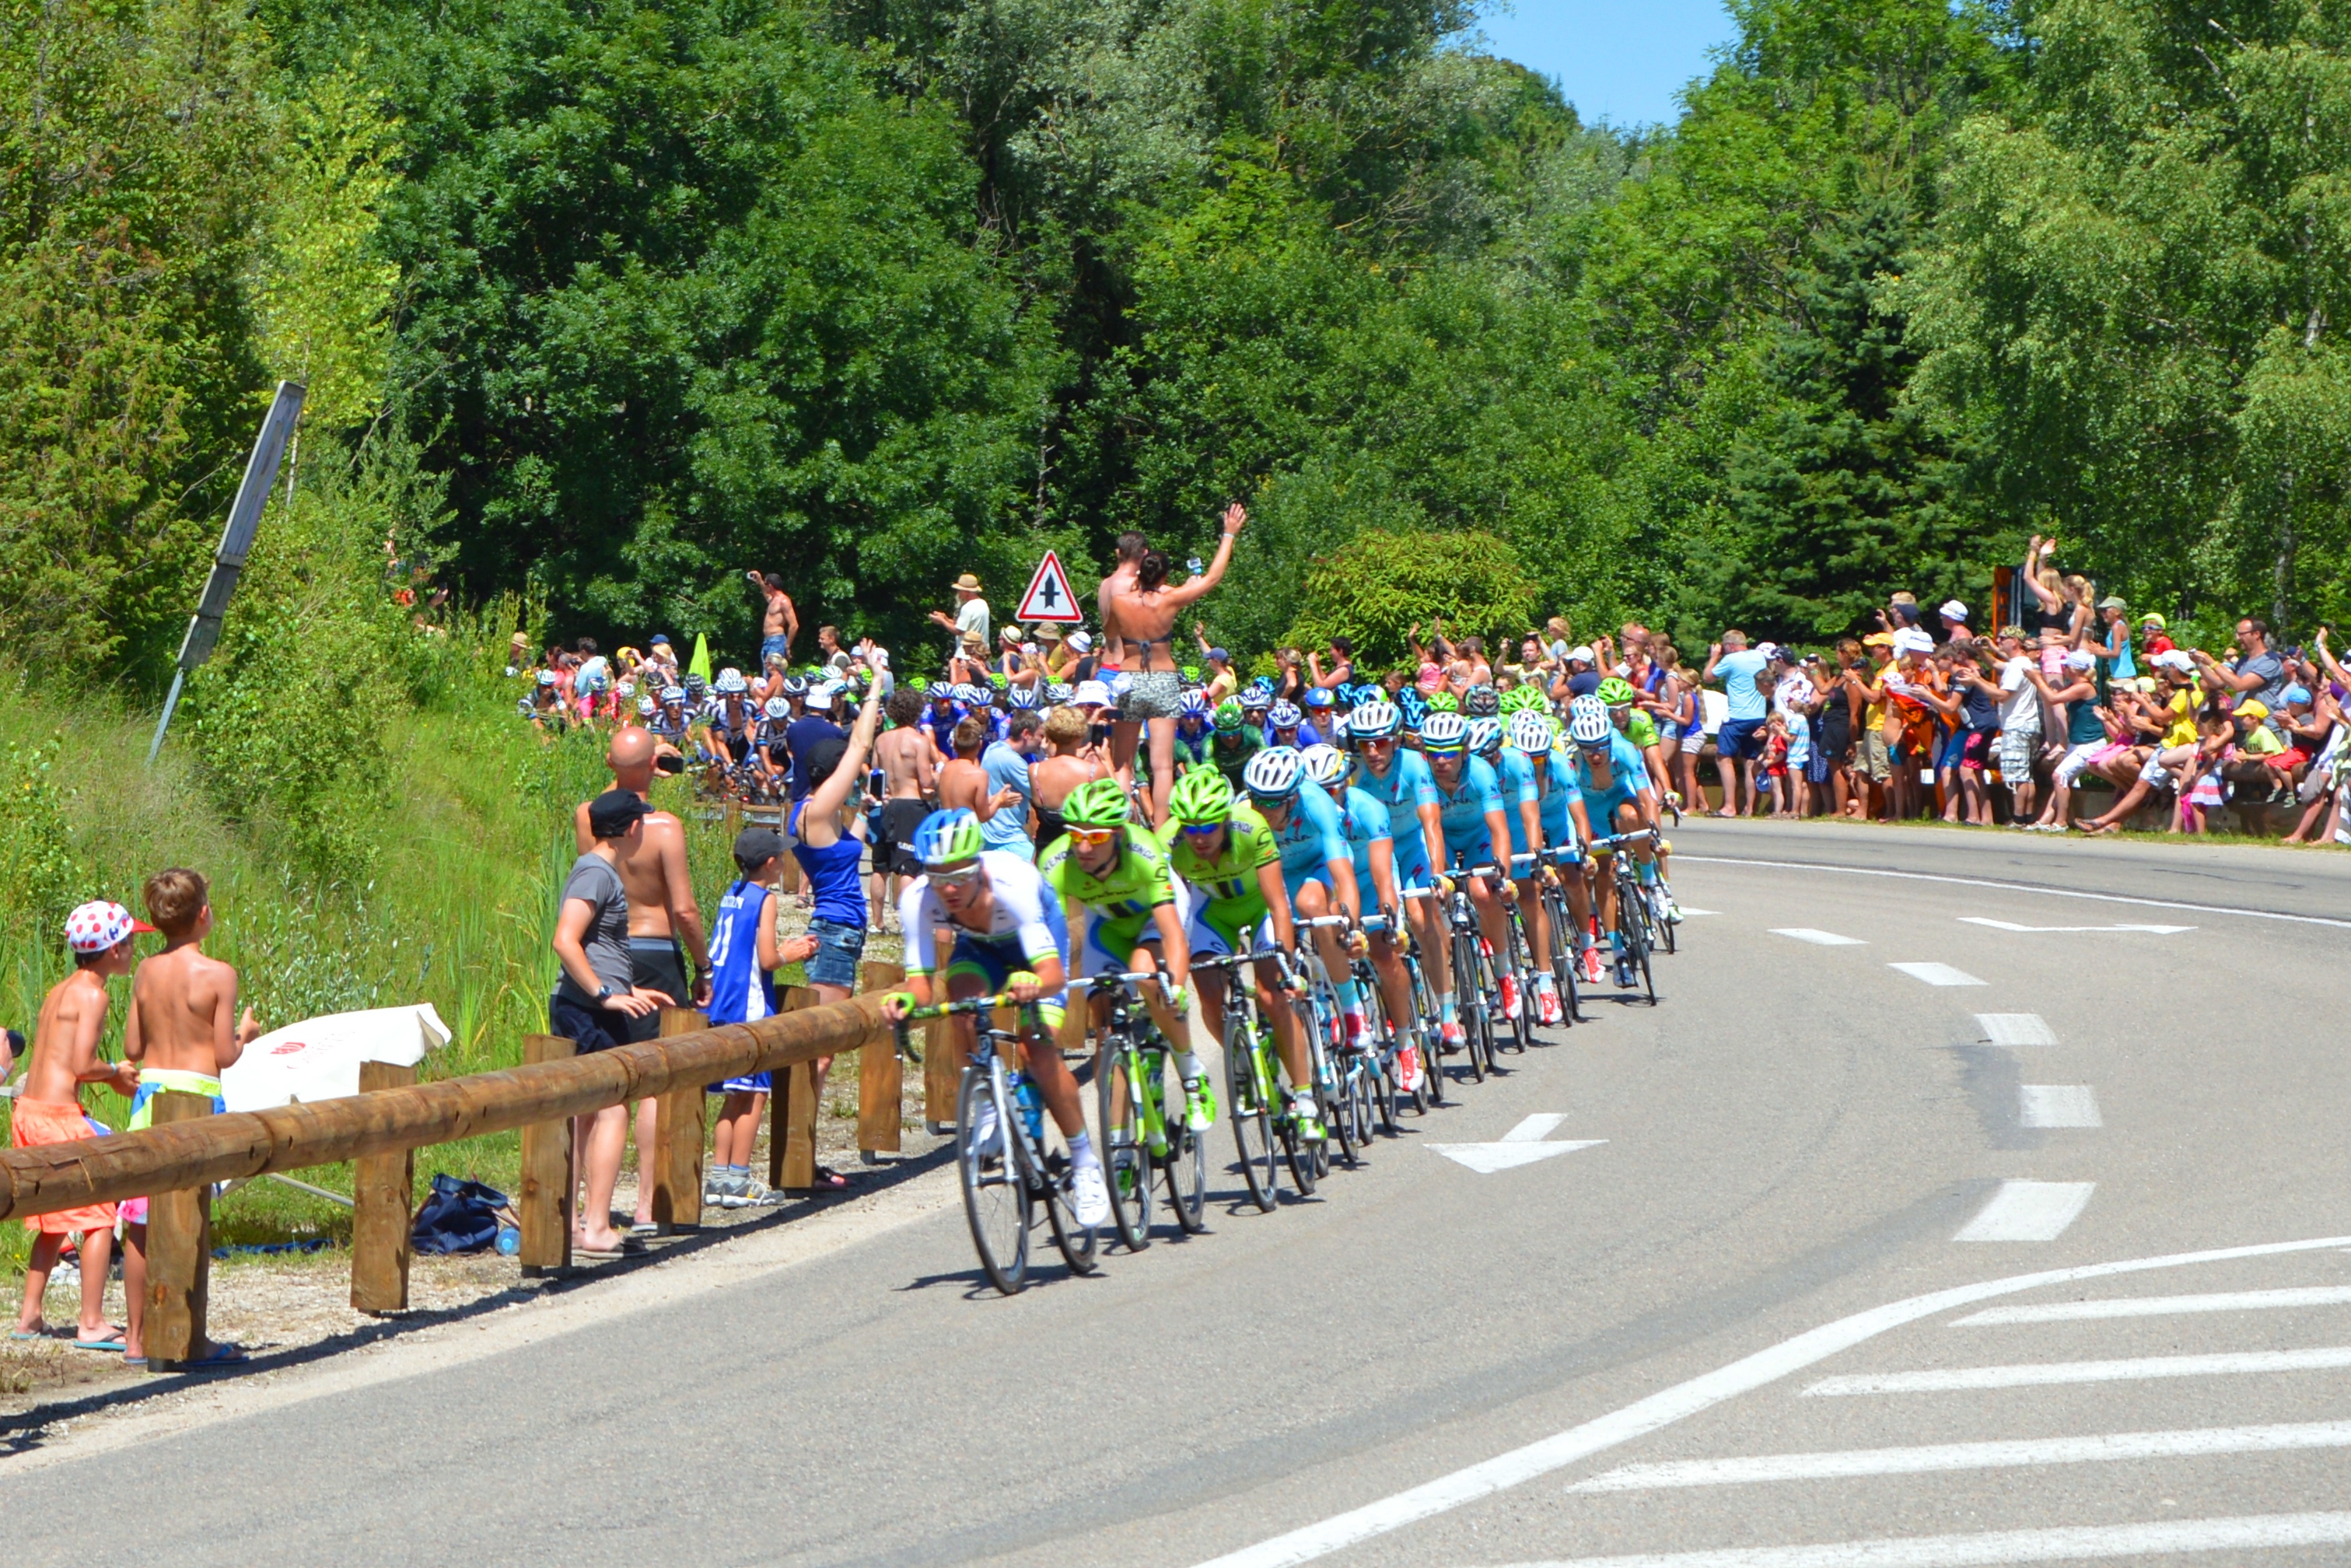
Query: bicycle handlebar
pixel 1611 840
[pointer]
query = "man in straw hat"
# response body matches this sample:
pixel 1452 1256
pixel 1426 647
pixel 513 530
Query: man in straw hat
pixel 970 619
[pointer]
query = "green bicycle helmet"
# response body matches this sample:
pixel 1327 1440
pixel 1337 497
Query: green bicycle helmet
pixel 1617 692
pixel 1101 803
pixel 1229 718
pixel 1202 797
pixel 947 836
pixel 1192 673
pixel 1522 699
pixel 1444 702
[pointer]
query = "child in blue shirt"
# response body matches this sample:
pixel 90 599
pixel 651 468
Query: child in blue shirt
pixel 743 957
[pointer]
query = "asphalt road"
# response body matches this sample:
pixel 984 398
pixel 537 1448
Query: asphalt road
pixel 1836 1271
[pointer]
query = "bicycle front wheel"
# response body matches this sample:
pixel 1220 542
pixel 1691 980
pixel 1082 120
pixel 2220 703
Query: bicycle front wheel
pixel 1664 926
pixel 996 1196
pixel 1126 1153
pixel 1186 1163
pixel 1081 1244
pixel 1251 1106
pixel 1468 985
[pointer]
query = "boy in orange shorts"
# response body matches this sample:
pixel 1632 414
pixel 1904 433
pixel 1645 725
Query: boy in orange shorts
pixel 49 1111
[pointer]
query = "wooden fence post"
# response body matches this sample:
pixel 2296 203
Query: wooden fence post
pixel 942 1074
pixel 881 1080
pixel 802 1102
pixel 384 1189
pixel 179 1255
pixel 544 1204
pixel 792 999
pixel 677 1137
pixel 733 817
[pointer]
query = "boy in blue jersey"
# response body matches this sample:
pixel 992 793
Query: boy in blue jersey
pixel 743 957
pixel 1398 778
pixel 1365 821
pixel 1469 811
pixel 1317 868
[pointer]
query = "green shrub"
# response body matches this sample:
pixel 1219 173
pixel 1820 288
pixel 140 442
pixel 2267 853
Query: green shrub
pixel 1376 587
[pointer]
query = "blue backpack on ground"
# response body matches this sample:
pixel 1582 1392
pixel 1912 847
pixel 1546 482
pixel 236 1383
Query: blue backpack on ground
pixel 460 1217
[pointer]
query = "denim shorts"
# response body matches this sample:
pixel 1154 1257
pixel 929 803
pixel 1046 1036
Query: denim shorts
pixel 838 948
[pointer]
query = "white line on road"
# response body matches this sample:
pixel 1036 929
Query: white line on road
pixel 1535 1128
pixel 2162 1306
pixel 1818 938
pixel 1669 1405
pixel 2036 1374
pixel 1936 974
pixel 2088 1541
pixel 2028 1211
pixel 2011 926
pixel 2059 1106
pixel 1687 911
pixel 1852 1462
pixel 2016 1028
pixel 1684 858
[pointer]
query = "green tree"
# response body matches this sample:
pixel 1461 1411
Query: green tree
pixel 1377 586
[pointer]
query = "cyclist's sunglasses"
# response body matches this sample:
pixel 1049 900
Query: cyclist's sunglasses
pixel 1368 741
pixel 1443 753
pixel 960 876
pixel 1093 838
pixel 1203 829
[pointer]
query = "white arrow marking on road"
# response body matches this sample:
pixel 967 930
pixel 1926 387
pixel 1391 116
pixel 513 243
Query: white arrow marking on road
pixel 2011 926
pixel 1521 1146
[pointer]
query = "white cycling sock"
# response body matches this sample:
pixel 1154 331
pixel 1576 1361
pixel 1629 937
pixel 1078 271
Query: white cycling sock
pixel 1187 1066
pixel 1082 1150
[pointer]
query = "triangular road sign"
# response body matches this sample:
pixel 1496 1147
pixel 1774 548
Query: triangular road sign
pixel 1049 597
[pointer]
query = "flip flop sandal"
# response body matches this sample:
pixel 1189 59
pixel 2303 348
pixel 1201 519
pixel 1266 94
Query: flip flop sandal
pixel 645 1228
pixel 113 1342
pixel 830 1179
pixel 630 1247
pixel 221 1358
pixel 29 1334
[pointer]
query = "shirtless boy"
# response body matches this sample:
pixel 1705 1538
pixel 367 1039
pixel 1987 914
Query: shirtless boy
pixel 778 624
pixel 661 913
pixel 964 782
pixel 65 1057
pixel 909 760
pixel 183 1029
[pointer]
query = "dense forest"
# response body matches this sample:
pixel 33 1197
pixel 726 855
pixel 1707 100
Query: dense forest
pixel 602 301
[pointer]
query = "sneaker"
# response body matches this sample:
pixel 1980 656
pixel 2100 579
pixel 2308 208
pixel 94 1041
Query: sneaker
pixel 1408 1069
pixel 1450 1038
pixel 1199 1105
pixel 716 1191
pixel 1673 911
pixel 1510 996
pixel 1355 1027
pixel 1547 1004
pixel 984 1130
pixel 1309 1125
pixel 1089 1195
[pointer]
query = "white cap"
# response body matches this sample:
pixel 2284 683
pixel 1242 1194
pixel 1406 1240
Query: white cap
pixel 1080 641
pixel 821 696
pixel 1910 640
pixel 1769 650
pixel 2080 659
pixel 1954 611
pixel 2173 659
pixel 1092 694
pixel 1582 651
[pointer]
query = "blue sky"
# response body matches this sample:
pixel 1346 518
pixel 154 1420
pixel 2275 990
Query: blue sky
pixel 1619 60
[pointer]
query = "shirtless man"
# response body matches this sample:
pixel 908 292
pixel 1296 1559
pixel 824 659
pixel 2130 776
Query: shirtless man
pixel 1145 616
pixel 909 760
pixel 1069 763
pixel 964 782
pixel 662 912
pixel 65 1057
pixel 183 1029
pixel 778 626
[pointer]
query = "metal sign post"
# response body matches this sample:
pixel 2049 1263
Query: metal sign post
pixel 237 542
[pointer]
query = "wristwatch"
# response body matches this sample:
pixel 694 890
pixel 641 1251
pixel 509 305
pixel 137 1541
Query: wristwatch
pixel 605 993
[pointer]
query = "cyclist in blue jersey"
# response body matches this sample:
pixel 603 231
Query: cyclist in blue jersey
pixel 1469 809
pixel 1317 868
pixel 1522 809
pixel 1566 826
pixel 1398 777
pixel 1617 799
pixel 1367 822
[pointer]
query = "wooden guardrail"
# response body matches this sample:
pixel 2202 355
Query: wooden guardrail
pixel 176 1161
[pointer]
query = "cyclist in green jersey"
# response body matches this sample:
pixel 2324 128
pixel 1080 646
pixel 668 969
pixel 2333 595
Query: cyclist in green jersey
pixel 1113 877
pixel 1234 742
pixel 1225 854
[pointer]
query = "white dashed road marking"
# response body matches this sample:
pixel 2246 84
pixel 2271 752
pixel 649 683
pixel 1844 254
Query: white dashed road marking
pixel 2060 1105
pixel 2028 1211
pixel 2243 1533
pixel 2016 1028
pixel 2094 1449
pixel 2162 1306
pixel 2011 926
pixel 1936 974
pixel 1818 938
pixel 2036 1374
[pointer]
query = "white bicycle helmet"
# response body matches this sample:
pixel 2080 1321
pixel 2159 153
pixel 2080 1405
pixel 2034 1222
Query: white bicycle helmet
pixel 729 682
pixel 1374 719
pixel 1442 732
pixel 1325 765
pixel 1273 774
pixel 779 708
pixel 1285 716
pixel 1484 737
pixel 1531 732
pixel 1587 721
pixel 647 707
pixel 672 695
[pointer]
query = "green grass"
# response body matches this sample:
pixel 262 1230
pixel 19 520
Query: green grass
pixel 475 838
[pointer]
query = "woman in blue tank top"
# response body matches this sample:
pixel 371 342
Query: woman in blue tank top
pixel 827 830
